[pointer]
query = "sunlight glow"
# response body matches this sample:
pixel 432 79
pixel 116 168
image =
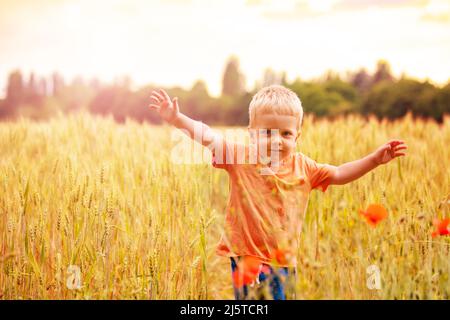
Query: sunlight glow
pixel 176 42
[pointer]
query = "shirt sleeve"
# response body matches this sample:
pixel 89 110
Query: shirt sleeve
pixel 318 174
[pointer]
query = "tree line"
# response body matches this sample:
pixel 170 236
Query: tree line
pixel 331 95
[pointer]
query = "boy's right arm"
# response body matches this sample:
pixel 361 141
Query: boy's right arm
pixel 169 110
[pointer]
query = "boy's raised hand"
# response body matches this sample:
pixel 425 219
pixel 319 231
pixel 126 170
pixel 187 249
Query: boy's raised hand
pixel 389 151
pixel 168 109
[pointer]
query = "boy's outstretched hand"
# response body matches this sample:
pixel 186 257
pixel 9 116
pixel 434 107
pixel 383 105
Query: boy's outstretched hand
pixel 168 109
pixel 389 151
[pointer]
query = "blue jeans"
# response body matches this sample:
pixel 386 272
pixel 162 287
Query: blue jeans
pixel 277 283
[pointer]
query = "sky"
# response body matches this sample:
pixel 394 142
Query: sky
pixel 176 42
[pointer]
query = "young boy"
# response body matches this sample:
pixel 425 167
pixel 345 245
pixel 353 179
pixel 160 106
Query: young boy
pixel 270 185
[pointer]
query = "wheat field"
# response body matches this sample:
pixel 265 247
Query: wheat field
pixel 85 198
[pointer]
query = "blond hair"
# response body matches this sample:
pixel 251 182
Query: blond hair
pixel 276 99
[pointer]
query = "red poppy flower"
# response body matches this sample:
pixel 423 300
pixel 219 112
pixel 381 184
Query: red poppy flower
pixel 374 214
pixel 247 270
pixel 265 268
pixel 442 227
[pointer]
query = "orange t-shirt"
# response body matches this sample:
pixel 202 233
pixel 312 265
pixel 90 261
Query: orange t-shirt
pixel 265 212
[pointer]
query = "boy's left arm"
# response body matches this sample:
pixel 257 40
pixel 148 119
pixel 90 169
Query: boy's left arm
pixel 350 171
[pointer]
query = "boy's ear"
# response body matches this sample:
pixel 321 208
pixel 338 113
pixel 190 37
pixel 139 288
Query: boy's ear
pixel 299 134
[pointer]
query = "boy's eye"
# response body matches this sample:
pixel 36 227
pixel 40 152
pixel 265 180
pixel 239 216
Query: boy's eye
pixel 286 133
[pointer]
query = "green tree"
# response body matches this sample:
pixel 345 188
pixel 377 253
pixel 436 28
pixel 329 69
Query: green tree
pixel 394 100
pixel 233 81
pixel 383 73
pixel 344 89
pixel 361 80
pixel 57 84
pixel 33 95
pixel 15 92
pixel 442 105
pixel 315 98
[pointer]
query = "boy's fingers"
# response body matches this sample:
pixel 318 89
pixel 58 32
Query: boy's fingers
pixel 395 142
pixel 165 95
pixel 154 106
pixel 175 104
pixel 154 98
pixel 157 95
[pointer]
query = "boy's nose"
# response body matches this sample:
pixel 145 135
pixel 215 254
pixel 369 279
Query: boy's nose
pixel 276 141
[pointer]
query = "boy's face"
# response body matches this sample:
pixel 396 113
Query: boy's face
pixel 275 133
